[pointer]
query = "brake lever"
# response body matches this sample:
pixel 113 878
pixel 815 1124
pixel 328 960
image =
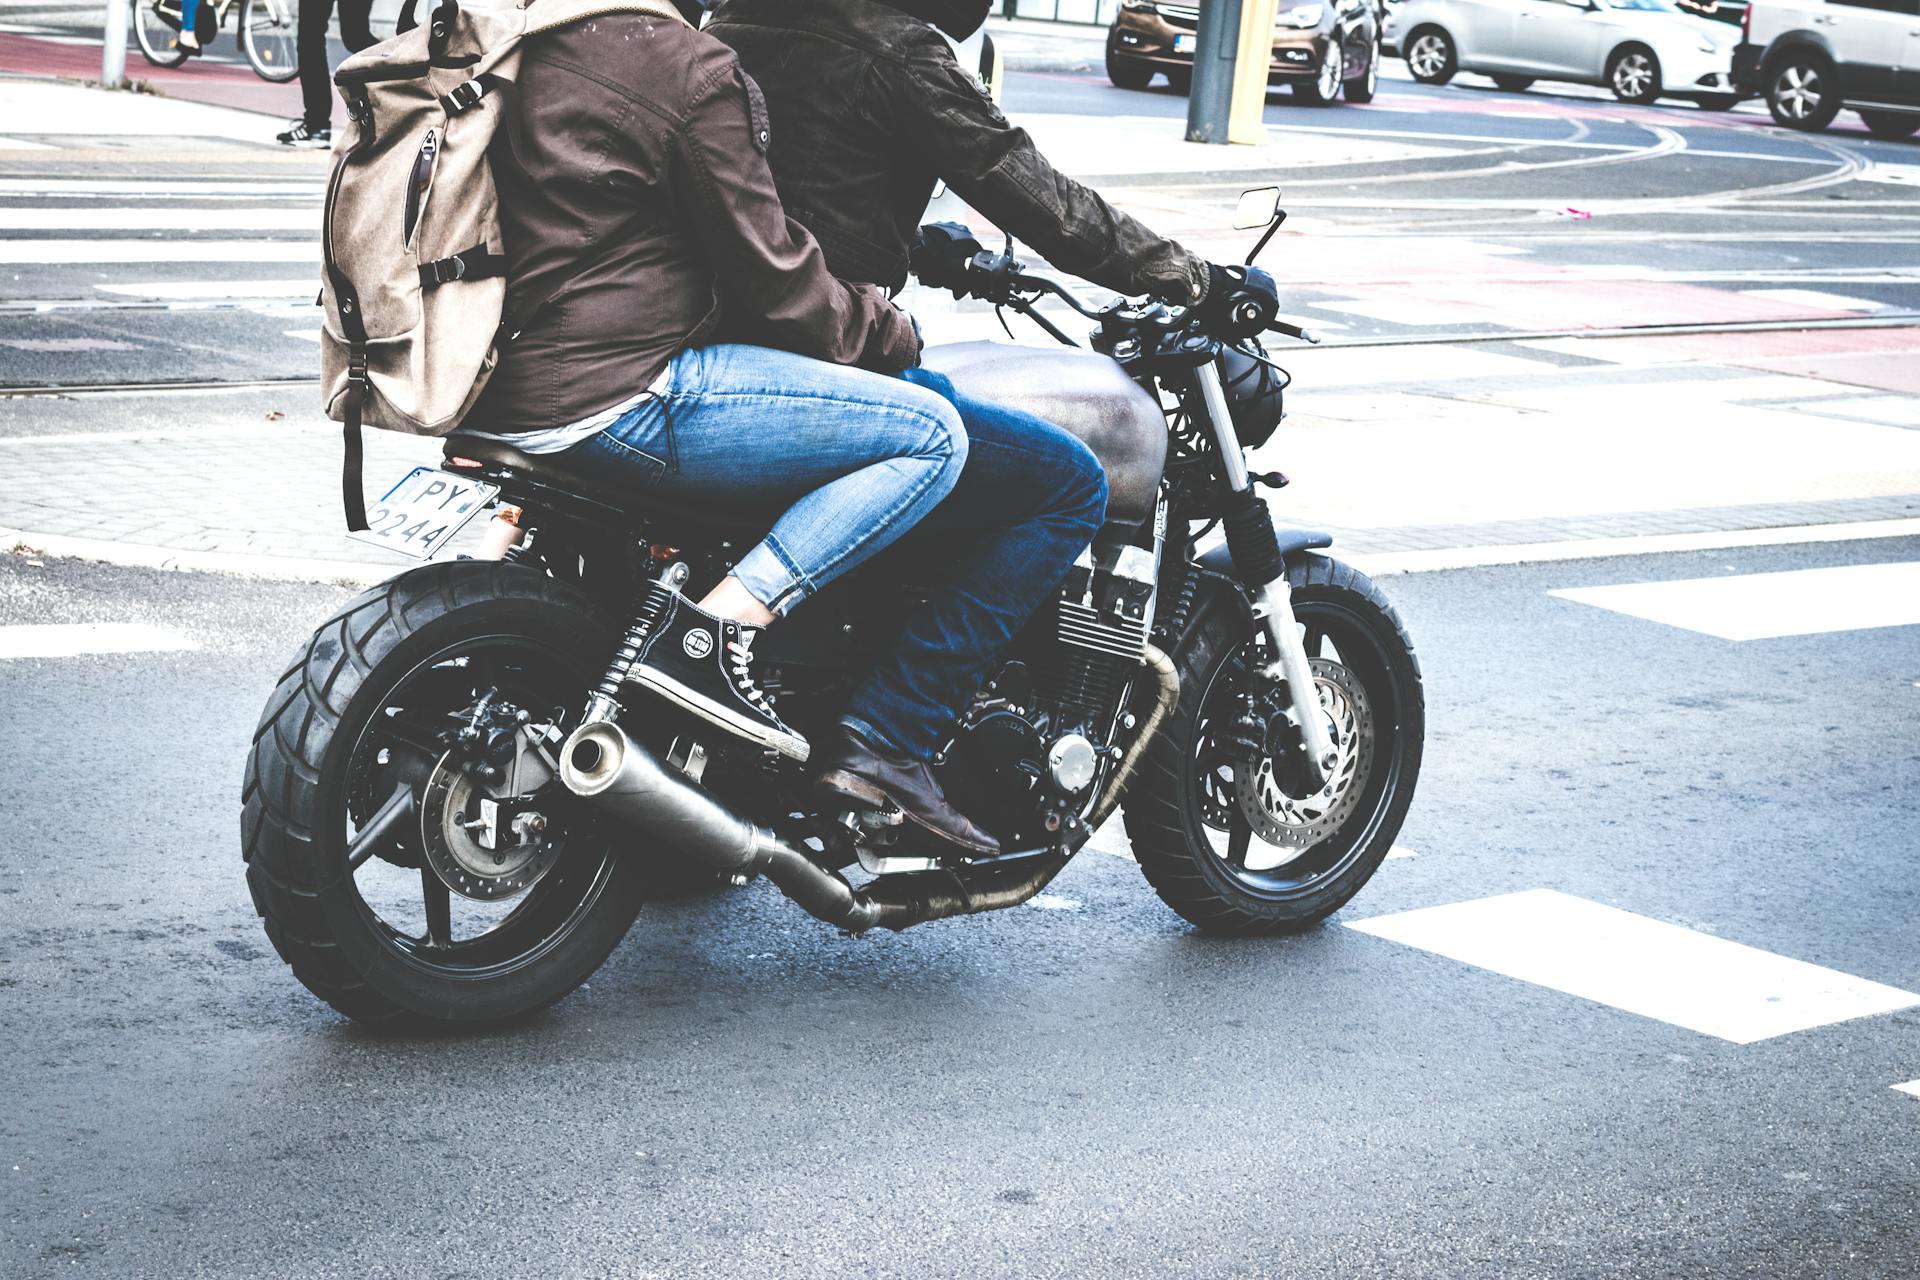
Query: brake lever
pixel 1295 331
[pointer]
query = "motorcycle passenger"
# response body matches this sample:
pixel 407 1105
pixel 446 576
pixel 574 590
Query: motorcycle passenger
pixel 639 214
pixel 870 111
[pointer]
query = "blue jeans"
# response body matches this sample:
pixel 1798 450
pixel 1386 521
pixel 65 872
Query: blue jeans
pixel 1030 500
pixel 856 458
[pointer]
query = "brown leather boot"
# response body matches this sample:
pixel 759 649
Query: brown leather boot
pixel 857 772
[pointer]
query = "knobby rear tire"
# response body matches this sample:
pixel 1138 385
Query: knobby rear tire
pixel 293 830
pixel 1162 809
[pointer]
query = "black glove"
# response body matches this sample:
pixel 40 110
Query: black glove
pixel 1240 303
pixel 940 254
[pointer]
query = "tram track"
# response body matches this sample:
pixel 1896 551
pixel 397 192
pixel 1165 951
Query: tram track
pixel 1896 320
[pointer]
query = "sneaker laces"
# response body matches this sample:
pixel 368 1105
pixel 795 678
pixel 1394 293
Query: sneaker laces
pixel 741 651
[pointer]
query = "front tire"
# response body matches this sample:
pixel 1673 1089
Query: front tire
pixel 355 731
pixel 1324 88
pixel 1633 73
pixel 158 38
pixel 1126 73
pixel 1431 56
pixel 1188 816
pixel 268 38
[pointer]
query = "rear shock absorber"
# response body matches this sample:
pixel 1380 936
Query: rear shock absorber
pixel 605 703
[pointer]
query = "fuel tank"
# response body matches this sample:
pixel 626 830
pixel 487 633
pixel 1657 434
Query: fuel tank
pixel 1080 391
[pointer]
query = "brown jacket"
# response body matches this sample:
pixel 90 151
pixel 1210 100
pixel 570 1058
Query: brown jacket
pixel 639 215
pixel 870 110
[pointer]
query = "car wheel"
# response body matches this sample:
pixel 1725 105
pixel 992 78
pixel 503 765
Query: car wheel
pixel 1890 124
pixel 1431 56
pixel 1633 73
pixel 1513 84
pixel 1325 85
pixel 1803 90
pixel 1362 87
pixel 1126 73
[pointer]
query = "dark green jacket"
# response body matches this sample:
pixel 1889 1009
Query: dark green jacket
pixel 870 110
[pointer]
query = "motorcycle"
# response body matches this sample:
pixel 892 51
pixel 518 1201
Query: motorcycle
pixel 455 803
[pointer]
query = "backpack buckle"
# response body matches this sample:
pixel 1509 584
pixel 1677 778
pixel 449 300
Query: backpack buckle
pixel 445 270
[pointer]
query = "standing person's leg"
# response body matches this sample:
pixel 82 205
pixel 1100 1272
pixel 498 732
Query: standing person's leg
pixel 356 30
pixel 189 26
pixel 1030 501
pixel 855 458
pixel 316 77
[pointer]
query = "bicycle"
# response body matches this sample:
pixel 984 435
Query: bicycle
pixel 267 33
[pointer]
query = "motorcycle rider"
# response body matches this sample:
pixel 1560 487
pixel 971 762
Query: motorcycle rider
pixel 870 111
pixel 639 214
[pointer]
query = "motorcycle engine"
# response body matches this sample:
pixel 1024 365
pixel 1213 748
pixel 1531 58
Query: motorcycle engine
pixel 1039 738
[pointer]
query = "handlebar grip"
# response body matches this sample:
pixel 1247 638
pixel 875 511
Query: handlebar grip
pixel 1295 331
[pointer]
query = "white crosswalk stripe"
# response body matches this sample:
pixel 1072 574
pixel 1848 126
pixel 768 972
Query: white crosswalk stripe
pixel 1640 965
pixel 1765 606
pixel 74 639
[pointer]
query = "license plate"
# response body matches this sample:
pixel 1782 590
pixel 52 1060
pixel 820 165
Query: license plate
pixel 420 514
pixel 1184 44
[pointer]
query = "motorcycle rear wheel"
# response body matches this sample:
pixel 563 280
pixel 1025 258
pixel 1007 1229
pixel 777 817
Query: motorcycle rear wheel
pixel 1185 816
pixel 353 729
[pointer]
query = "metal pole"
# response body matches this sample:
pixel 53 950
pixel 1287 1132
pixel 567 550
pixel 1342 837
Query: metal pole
pixel 113 49
pixel 1216 48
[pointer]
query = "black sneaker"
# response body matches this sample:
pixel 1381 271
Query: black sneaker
pixel 704 664
pixel 307 139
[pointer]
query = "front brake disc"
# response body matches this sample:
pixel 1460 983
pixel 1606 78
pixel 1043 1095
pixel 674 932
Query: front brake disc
pixel 1300 822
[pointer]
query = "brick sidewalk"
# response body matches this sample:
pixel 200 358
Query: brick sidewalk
pixel 249 480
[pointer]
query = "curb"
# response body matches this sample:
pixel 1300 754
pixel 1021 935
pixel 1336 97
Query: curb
pixel 346 573
pixel 351 573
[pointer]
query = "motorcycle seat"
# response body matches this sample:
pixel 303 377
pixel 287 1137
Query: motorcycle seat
pixel 548 469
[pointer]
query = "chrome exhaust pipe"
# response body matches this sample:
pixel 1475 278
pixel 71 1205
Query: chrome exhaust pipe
pixel 600 763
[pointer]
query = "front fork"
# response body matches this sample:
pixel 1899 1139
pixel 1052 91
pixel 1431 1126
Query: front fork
pixel 1257 559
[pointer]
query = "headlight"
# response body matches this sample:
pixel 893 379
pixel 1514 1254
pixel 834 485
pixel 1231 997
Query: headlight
pixel 1306 15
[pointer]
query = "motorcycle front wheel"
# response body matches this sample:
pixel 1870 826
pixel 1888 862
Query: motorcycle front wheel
pixel 1235 839
pixel 380 874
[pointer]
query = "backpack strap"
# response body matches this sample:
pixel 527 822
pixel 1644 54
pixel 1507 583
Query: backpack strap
pixel 352 489
pixel 468 264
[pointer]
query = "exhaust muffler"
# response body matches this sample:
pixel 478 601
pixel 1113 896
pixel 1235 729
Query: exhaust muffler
pixel 600 763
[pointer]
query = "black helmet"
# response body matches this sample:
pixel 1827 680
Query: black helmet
pixel 1253 390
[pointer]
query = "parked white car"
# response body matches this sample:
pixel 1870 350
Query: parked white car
pixel 1811 57
pixel 1641 49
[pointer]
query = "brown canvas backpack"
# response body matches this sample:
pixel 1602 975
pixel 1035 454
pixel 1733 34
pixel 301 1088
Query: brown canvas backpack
pixel 414 271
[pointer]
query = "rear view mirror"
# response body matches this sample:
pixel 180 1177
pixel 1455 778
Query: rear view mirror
pixel 1256 208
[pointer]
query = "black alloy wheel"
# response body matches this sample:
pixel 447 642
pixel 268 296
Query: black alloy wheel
pixel 1241 843
pixel 359 823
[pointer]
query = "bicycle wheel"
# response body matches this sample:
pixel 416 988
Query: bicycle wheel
pixel 267 36
pixel 156 29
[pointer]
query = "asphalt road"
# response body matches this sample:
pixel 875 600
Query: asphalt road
pixel 1083 1087
pixel 150 276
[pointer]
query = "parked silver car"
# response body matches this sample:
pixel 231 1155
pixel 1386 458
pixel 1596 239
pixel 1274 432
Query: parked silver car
pixel 1641 49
